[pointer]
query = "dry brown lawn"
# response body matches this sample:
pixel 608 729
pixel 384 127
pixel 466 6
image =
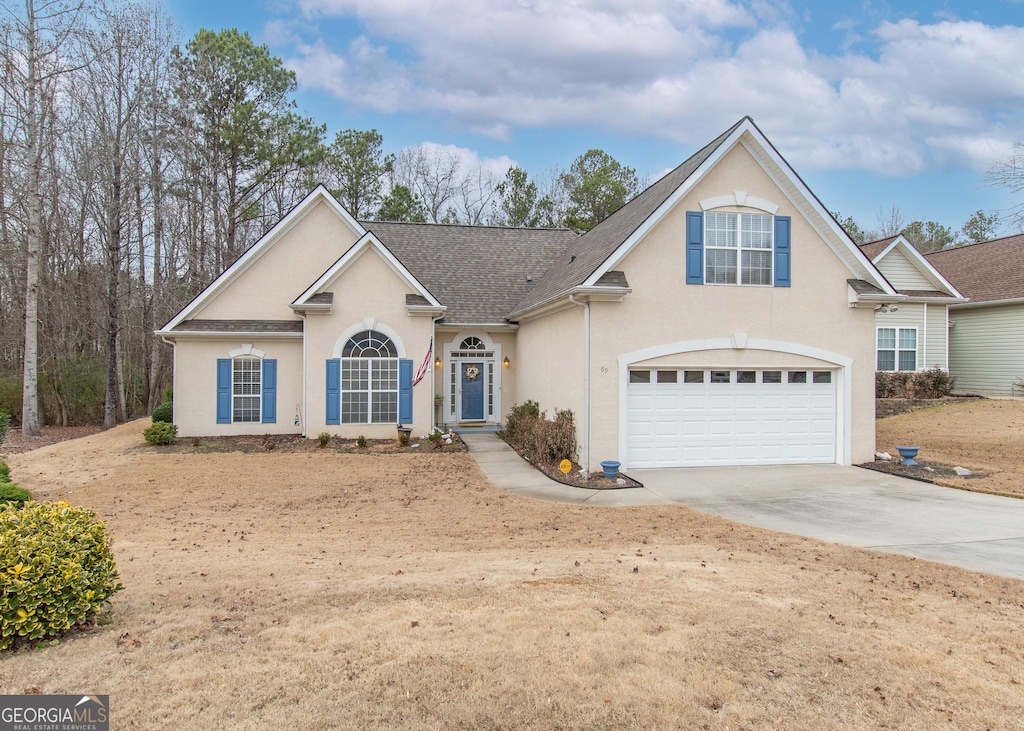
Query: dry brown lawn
pixel 335 591
pixel 982 435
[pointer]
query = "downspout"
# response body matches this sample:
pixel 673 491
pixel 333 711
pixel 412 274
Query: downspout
pixel 586 381
pixel 924 340
pixel 433 372
pixel 305 411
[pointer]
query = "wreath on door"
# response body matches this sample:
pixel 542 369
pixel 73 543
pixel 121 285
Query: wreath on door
pixel 472 372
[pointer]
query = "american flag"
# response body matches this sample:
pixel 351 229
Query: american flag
pixel 425 364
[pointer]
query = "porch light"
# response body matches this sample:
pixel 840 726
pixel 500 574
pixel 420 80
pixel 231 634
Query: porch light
pixel 506 362
pixel 437 362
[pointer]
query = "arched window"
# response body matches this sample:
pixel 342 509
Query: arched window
pixel 369 379
pixel 472 343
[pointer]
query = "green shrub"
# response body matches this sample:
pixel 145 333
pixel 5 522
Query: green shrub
pixel 323 439
pixel 361 441
pixel 13 495
pixel 161 433
pixel 5 472
pixel 5 423
pixel 59 570
pixel 164 413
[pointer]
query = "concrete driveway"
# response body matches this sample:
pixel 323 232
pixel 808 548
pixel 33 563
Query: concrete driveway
pixel 857 507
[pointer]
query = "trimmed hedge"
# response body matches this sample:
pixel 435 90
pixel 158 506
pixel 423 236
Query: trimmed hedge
pixel 59 571
pixel 930 384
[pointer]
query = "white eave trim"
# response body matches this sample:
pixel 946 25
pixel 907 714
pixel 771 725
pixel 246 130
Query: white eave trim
pixel 989 303
pixel 457 326
pixel 868 270
pixel 561 301
pixel 425 310
pixel 919 262
pixel 366 242
pixel 221 334
pixel 320 194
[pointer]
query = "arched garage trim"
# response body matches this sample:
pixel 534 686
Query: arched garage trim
pixel 740 341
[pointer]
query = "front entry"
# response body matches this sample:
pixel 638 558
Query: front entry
pixel 472 391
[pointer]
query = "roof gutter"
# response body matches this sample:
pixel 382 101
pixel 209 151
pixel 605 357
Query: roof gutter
pixel 586 381
pixel 987 303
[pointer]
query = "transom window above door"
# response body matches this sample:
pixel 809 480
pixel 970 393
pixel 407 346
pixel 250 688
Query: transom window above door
pixel 472 343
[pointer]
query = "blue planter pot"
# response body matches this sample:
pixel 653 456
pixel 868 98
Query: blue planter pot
pixel 611 468
pixel 908 454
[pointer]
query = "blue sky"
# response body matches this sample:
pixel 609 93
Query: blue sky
pixel 873 103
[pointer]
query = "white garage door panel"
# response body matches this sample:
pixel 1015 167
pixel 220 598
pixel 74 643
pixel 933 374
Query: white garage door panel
pixel 694 424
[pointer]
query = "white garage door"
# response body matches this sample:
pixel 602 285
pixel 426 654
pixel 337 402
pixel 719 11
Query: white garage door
pixel 690 418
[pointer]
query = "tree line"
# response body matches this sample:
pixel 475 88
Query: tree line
pixel 925 236
pixel 135 168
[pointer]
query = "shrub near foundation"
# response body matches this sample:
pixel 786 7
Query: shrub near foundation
pixel 543 441
pixel 57 573
pixel 163 413
pixel 161 433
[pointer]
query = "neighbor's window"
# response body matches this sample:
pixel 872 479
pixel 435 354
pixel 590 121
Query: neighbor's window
pixel 738 248
pixel 245 390
pixel 897 349
pixel 369 380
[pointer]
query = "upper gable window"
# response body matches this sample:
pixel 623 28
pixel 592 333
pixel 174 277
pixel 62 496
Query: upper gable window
pixel 739 248
pixel 369 379
pixel 723 247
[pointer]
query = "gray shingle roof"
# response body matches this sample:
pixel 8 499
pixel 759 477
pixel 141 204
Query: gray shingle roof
pixel 862 287
pixel 323 298
pixel 591 250
pixel 477 272
pixel 612 279
pixel 240 326
pixel 873 248
pixel 986 272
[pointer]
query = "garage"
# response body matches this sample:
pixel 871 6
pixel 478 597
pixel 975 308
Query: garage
pixel 696 418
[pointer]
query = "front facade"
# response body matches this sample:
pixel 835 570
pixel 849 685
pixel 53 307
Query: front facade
pixel 911 332
pixel 721 317
pixel 986 336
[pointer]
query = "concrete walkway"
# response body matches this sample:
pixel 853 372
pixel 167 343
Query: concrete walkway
pixel 847 505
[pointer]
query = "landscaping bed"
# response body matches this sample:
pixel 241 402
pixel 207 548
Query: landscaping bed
pixel 295 443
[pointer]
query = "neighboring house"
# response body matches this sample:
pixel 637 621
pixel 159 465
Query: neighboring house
pixel 986 341
pixel 721 317
pixel 911 333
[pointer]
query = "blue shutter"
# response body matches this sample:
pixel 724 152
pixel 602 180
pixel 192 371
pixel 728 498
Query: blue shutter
pixel 223 390
pixel 782 251
pixel 269 390
pixel 404 391
pixel 334 391
pixel 694 247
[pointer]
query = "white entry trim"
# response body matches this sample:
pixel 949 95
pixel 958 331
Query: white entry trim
pixel 452 400
pixel 844 385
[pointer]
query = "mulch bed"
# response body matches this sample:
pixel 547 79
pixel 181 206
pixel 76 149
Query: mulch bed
pixel 594 481
pixel 895 406
pixel 924 471
pixel 294 443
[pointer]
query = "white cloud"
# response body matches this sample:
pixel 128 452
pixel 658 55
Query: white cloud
pixel 911 96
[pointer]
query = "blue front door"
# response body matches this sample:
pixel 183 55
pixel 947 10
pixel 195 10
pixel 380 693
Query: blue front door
pixel 472 391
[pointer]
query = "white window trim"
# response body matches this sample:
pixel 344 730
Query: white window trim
pixel 492 358
pixel 248 355
pixel 896 350
pixel 370 391
pixel 739 249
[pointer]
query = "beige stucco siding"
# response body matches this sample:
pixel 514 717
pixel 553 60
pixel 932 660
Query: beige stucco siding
pixel 549 368
pixel 195 385
pixel 662 309
pixel 500 343
pixel 284 270
pixel 367 295
pixel 986 348
pixel 901 273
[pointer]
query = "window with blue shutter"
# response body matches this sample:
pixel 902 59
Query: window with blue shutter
pixel 782 254
pixel 404 391
pixel 334 391
pixel 223 390
pixel 694 247
pixel 269 390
